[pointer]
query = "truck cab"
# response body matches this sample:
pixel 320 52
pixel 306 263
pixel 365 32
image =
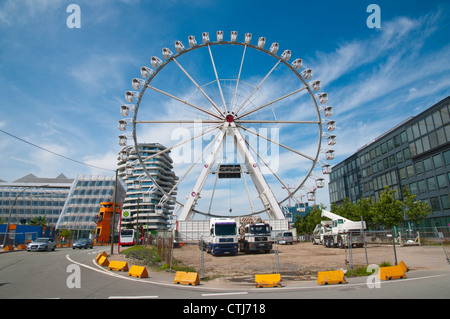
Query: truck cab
pixel 223 237
pixel 256 237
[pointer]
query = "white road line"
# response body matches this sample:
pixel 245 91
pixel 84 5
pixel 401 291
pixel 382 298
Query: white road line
pixel 132 297
pixel 226 294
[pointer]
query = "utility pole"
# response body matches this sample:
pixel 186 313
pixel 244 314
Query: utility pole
pixel 114 216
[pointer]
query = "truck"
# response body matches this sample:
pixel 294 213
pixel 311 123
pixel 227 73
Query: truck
pixel 222 238
pixel 338 232
pixel 254 235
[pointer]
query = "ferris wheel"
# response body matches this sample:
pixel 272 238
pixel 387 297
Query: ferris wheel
pixel 240 122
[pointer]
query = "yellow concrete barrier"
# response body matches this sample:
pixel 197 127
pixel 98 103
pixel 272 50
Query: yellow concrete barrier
pixel 102 254
pixel 22 246
pixel 9 247
pixel 118 265
pixel 403 266
pixel 138 271
pixel 268 280
pixel 187 278
pixel 392 272
pixel 103 261
pixel 331 277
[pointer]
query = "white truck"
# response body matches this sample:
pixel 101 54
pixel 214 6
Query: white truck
pixel 223 237
pixel 254 235
pixel 338 232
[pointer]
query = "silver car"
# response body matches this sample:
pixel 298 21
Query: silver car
pixel 42 244
pixel 285 238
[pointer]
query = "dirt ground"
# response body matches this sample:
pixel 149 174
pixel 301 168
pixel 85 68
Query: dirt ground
pixel 302 261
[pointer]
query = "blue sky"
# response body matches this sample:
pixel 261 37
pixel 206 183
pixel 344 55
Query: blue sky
pixel 61 88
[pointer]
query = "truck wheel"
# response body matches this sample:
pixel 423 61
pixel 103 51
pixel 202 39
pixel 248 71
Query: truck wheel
pixel 340 243
pixel 331 242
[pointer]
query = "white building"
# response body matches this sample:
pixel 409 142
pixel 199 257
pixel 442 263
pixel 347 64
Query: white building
pixel 144 202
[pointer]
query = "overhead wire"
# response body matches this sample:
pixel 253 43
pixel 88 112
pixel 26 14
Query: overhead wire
pixel 54 153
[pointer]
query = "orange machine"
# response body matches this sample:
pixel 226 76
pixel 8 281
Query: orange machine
pixel 104 218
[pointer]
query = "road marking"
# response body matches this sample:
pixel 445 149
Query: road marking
pixel 226 294
pixel 132 297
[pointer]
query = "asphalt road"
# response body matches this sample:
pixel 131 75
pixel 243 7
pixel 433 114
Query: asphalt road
pixel 72 274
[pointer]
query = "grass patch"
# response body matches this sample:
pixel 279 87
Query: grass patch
pixel 148 256
pixel 361 270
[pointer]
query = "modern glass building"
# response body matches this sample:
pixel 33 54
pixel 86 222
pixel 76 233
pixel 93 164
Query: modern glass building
pixel 415 153
pixel 83 201
pixel 144 203
pixel 30 197
pixel 64 202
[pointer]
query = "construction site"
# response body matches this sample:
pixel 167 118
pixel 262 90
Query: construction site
pixel 303 260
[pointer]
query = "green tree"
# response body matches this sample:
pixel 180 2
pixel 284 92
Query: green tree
pixel 388 211
pixel 347 209
pixel 307 223
pixel 354 211
pixel 39 221
pixel 414 209
pixel 365 208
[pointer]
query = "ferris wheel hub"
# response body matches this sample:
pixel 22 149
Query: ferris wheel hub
pixel 229 118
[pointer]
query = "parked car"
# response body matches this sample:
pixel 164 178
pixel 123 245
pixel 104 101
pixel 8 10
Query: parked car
pixel 42 244
pixel 83 243
pixel 285 238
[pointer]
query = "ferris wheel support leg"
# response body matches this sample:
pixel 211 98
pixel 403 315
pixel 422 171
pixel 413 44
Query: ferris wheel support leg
pixel 265 193
pixel 186 213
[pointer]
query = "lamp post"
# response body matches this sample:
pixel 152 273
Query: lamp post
pixel 114 215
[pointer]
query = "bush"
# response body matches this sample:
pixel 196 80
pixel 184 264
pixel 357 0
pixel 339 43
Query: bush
pixel 148 256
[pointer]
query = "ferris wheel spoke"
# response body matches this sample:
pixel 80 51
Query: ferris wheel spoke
pixel 193 164
pixel 246 187
pixel 198 87
pixel 217 79
pixel 257 87
pixel 272 102
pixel 279 144
pixel 179 122
pixel 238 78
pixel 183 101
pixel 181 143
pixel 266 164
pixel 277 122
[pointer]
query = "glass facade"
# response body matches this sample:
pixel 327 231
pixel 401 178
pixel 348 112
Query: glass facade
pixel 30 197
pixel 415 153
pixel 83 201
pixel 65 203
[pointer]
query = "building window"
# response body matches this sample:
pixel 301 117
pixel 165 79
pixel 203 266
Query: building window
pixel 419 168
pixel 447 157
pixel 431 184
pixel 437 161
pixel 428 164
pixel 435 206
pixel 441 181
pixel 445 202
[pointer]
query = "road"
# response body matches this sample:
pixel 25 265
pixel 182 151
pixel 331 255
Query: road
pixel 73 274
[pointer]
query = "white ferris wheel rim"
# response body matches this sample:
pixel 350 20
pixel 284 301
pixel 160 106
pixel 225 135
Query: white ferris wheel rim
pixel 314 159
